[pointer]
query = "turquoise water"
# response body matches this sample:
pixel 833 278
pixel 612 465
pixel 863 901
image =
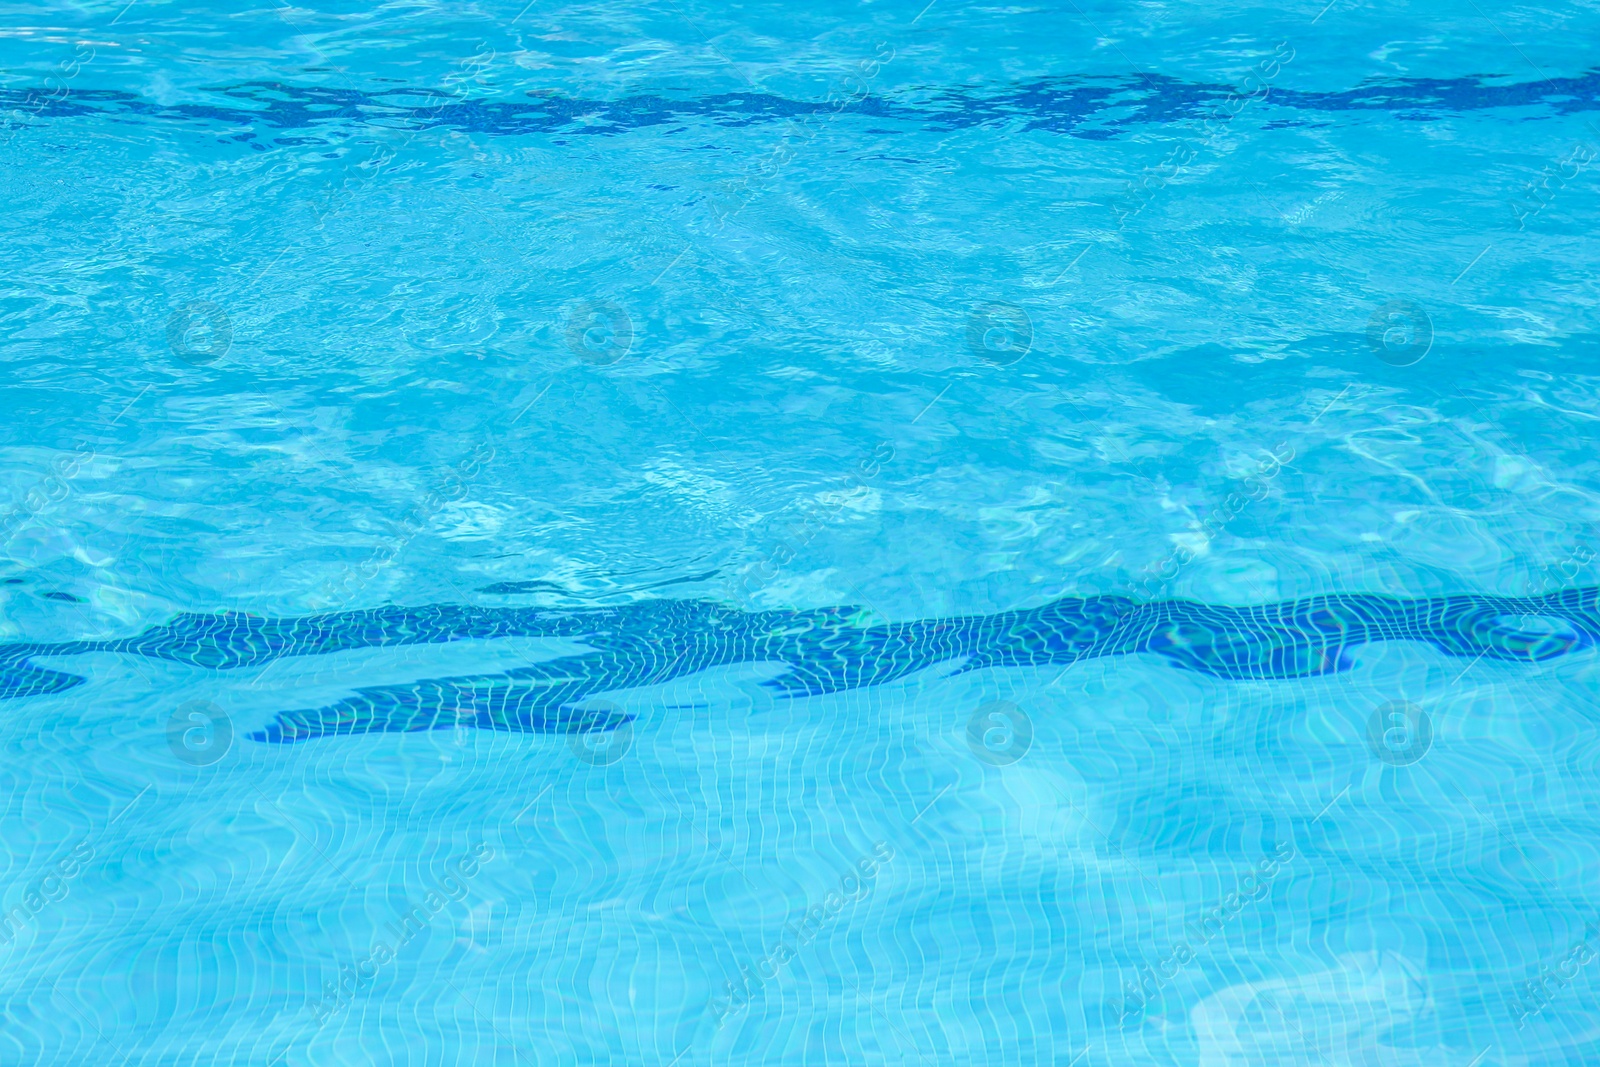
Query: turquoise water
pixel 687 534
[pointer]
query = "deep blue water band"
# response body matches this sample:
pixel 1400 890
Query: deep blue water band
pixel 826 650
pixel 1095 108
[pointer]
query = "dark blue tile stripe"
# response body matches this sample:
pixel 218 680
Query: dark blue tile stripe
pixel 827 650
pixel 1094 108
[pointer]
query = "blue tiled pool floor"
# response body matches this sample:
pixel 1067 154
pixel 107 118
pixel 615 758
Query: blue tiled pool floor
pixel 914 534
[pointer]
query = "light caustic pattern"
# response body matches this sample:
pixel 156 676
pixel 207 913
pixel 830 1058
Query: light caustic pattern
pixel 438 439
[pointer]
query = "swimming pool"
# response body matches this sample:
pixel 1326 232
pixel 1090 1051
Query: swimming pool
pixel 714 534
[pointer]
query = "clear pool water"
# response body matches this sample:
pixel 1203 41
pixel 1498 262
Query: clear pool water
pixel 686 533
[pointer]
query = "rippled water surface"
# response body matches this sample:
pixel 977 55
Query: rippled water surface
pixel 681 534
